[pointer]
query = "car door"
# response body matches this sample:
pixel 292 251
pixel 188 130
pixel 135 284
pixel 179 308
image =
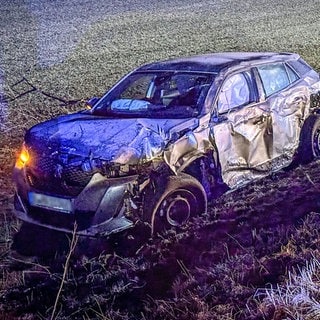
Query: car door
pixel 242 130
pixel 287 97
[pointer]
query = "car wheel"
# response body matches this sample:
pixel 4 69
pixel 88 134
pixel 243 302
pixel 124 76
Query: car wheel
pixel 310 140
pixel 174 202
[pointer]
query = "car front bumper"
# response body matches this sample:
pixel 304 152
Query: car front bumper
pixel 100 209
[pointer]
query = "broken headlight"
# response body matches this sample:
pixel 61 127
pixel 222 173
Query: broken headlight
pixel 110 170
pixel 116 170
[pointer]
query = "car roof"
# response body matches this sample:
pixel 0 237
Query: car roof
pixel 215 62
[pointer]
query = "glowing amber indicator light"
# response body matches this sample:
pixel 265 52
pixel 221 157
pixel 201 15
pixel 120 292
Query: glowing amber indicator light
pixel 24 157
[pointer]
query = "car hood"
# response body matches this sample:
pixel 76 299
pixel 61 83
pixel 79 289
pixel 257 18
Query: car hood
pixel 123 141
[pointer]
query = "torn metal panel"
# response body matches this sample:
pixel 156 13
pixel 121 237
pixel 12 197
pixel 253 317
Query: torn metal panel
pixel 288 110
pixel 189 147
pixel 244 141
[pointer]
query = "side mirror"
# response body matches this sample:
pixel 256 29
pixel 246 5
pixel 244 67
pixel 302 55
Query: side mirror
pixel 91 102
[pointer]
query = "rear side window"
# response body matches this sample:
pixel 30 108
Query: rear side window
pixel 300 66
pixel 292 75
pixel 276 77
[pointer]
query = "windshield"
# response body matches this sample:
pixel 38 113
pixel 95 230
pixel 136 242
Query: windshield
pixel 157 95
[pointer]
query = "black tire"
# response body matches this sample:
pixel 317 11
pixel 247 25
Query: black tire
pixel 309 147
pixel 173 201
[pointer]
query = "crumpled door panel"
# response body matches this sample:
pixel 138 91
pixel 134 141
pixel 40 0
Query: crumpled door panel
pixel 244 142
pixel 288 110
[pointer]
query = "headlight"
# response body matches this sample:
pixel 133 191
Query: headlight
pixel 24 157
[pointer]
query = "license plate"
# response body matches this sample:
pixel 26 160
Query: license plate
pixel 49 202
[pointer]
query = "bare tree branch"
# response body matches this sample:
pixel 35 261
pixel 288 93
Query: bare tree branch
pixel 17 95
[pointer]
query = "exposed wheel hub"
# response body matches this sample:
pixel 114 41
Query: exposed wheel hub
pixel 177 208
pixel 178 211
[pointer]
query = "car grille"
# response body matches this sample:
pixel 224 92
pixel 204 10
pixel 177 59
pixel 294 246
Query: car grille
pixel 46 174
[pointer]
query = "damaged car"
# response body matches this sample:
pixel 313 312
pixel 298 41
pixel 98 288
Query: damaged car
pixel 166 139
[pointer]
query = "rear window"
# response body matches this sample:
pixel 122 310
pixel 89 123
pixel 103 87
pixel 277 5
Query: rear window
pixel 300 66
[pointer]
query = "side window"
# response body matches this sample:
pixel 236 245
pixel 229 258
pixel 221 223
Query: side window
pixel 292 75
pixel 235 92
pixel 274 77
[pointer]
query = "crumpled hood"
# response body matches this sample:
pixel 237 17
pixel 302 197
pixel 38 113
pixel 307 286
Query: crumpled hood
pixel 123 141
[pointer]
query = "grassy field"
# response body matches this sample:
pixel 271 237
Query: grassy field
pixel 231 264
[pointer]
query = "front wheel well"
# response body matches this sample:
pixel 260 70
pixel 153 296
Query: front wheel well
pixel 207 171
pixel 172 200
